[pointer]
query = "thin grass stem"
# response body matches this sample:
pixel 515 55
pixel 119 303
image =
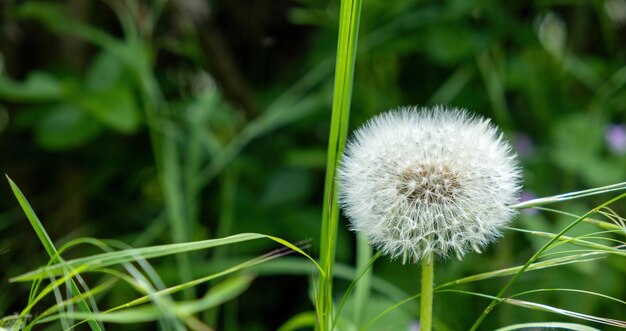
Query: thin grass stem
pixel 569 196
pixel 362 291
pixel 513 279
pixel 349 17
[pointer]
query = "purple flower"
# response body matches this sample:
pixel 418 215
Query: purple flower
pixel 615 136
pixel 523 144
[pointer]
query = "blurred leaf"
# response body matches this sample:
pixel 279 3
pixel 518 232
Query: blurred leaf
pixel 53 17
pixel 552 33
pixel 108 94
pixel 115 107
pixel 64 127
pixel 38 87
pixel 578 141
pixel 105 71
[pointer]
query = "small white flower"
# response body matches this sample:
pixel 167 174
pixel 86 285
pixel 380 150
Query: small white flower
pixel 418 181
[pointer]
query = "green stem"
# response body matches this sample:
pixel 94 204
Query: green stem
pixel 166 155
pixel 350 13
pixel 426 305
pixel 362 290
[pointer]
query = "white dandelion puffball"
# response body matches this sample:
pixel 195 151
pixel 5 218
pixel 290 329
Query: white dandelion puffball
pixel 421 182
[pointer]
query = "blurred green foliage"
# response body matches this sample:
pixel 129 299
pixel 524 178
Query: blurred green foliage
pixel 241 91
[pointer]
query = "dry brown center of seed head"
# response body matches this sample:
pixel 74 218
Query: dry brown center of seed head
pixel 429 184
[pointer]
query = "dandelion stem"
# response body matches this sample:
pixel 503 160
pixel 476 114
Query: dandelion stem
pixel 426 306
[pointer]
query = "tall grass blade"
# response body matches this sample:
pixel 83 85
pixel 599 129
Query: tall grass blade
pixel 349 18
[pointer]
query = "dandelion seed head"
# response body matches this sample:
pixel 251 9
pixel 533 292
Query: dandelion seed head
pixel 418 181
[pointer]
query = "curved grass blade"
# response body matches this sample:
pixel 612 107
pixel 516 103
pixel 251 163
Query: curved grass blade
pixel 49 246
pixel 532 259
pixel 216 296
pixel 578 258
pixel 575 241
pixel 105 286
pixel 546 308
pixel 366 267
pixel 108 259
pixel 548 325
pixel 601 224
pixel 299 321
pixel 196 282
pixel 569 196
pixel 608 297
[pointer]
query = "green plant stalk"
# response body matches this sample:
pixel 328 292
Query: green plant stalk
pixel 545 247
pixel 426 299
pixel 350 13
pixel 166 156
pixel 362 291
pixel 162 138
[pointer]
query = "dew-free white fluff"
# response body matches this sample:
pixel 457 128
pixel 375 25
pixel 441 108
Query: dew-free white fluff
pixel 420 182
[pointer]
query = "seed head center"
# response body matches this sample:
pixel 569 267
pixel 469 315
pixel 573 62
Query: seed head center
pixel 429 184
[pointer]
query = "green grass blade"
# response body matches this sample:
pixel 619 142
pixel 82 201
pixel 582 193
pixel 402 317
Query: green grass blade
pixel 196 282
pixel 546 308
pixel 34 220
pixel 573 290
pixel 48 245
pixel 299 321
pixel 548 325
pixel 129 255
pixel 105 286
pixel 574 241
pixel 570 196
pixel 364 275
pixel 578 258
pixel 516 276
pixel 362 290
pixel 601 224
pixel 217 295
pixel 349 17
